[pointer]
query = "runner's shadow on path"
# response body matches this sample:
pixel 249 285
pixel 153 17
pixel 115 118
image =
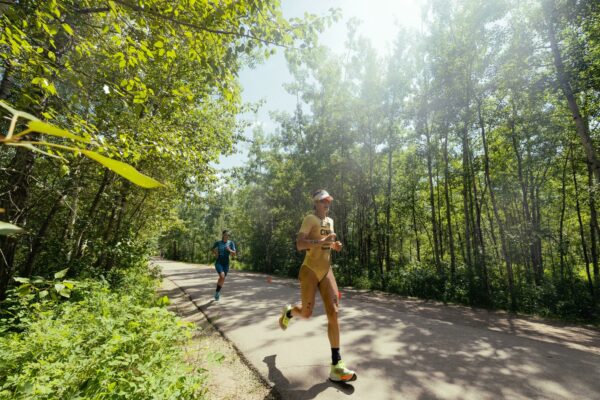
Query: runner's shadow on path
pixel 283 389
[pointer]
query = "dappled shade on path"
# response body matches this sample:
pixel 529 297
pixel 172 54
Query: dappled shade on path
pixel 400 348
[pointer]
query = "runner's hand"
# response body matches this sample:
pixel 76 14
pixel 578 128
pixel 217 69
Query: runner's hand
pixel 337 246
pixel 330 238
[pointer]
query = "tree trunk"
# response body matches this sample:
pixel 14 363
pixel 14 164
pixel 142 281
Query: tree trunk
pixel 526 209
pixel 434 225
pixel 414 218
pixel 562 247
pixel 478 244
pixel 5 83
pixel 92 211
pixel 439 212
pixel 100 262
pixel 116 231
pixel 38 239
pixel 581 123
pixel 388 207
pixel 378 234
pixel 449 209
pixel 593 229
pixel 501 229
pixel 466 194
pixel 15 195
pixel 581 230
pixel 536 243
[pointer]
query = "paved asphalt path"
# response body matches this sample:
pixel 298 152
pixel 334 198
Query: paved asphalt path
pixel 400 348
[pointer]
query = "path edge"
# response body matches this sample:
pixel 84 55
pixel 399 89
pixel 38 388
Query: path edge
pixel 274 390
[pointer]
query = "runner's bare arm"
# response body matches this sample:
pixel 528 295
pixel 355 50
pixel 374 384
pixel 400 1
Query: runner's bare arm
pixel 232 252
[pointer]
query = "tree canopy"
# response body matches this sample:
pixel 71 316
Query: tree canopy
pixel 150 83
pixel 463 163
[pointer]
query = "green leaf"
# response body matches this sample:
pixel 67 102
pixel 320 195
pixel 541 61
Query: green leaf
pixel 48 129
pixel 65 293
pixel 58 287
pixel 61 274
pixel 216 357
pixel 17 112
pixel 68 29
pixel 43 294
pixel 21 280
pixel 125 170
pixel 24 290
pixel 163 301
pixel 9 229
pixel 158 44
pixel 50 88
pixel 69 284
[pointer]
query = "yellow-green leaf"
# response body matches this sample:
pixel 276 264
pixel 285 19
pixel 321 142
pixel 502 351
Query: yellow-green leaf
pixel 69 284
pixel 48 129
pixel 9 229
pixel 61 274
pixel 17 112
pixel 50 88
pixel 125 170
pixel 68 29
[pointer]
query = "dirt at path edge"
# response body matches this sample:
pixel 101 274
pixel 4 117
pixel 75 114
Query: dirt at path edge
pixel 229 375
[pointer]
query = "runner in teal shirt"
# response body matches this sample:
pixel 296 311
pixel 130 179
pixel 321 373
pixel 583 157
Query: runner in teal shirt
pixel 222 249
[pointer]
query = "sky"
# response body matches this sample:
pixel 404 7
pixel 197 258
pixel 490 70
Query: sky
pixel 380 20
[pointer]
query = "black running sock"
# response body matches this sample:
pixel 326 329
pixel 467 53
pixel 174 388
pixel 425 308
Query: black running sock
pixel 219 288
pixel 335 355
pixel 289 314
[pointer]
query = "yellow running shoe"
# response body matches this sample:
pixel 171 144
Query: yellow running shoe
pixel 339 373
pixel 284 320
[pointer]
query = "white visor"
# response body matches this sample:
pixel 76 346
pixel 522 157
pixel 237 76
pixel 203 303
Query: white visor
pixel 321 195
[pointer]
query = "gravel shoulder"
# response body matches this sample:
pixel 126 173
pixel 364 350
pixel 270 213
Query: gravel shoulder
pixel 229 375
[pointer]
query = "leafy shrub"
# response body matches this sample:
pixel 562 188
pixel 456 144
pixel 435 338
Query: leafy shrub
pixel 571 301
pixel 418 279
pixel 362 282
pixel 109 344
